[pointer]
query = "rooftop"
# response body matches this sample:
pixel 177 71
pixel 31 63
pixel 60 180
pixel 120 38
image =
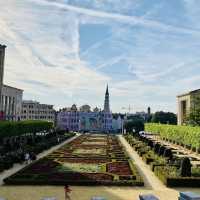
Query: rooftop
pixel 34 102
pixel 12 87
pixel 188 93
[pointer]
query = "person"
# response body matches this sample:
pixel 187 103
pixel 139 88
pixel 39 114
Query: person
pixel 67 191
pixel 32 156
pixel 27 158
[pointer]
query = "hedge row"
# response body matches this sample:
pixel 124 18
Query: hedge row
pixel 169 176
pixel 168 171
pixel 186 135
pixel 8 129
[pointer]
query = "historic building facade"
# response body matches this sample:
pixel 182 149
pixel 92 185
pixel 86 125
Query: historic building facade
pixel 85 120
pixel 11 103
pixel 187 103
pixel 33 110
pixel 10 97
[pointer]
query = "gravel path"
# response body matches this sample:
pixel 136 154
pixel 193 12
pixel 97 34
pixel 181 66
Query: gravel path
pixel 150 180
pixel 17 167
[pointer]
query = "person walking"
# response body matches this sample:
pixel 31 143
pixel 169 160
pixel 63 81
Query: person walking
pixel 67 191
pixel 27 158
pixel 32 156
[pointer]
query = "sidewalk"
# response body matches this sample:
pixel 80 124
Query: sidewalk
pixel 17 167
pixel 150 179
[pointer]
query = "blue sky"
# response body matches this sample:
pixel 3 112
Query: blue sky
pixel 66 51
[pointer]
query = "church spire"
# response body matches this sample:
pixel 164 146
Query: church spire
pixel 106 101
pixel 107 93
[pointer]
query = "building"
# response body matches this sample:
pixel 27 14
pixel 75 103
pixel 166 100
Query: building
pixel 11 103
pixel 2 56
pixel 33 110
pixel 85 108
pixel 68 119
pixel 85 120
pixel 187 103
pixel 10 97
pixel 149 111
pixel 117 124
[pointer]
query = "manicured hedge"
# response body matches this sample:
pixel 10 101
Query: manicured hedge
pixel 186 135
pixel 169 176
pixel 167 172
pixel 8 129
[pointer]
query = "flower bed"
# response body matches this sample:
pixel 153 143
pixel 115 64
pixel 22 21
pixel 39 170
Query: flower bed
pixel 119 168
pixel 81 163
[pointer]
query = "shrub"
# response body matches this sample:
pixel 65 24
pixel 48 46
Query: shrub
pixel 168 154
pixel 150 143
pixel 186 167
pixel 8 129
pixel 196 171
pixel 161 151
pixel 186 135
pixel 156 148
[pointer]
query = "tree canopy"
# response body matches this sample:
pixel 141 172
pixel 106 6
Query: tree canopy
pixel 164 118
pixel 136 124
pixel 8 129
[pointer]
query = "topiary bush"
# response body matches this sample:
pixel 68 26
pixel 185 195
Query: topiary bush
pixel 161 151
pixel 168 154
pixel 156 148
pixel 185 167
pixel 150 143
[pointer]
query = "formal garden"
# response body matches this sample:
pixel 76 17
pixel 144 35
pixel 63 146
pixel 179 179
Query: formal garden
pixel 86 160
pixel 19 138
pixel 174 156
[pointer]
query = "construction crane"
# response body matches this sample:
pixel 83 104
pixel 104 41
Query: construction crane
pixel 129 108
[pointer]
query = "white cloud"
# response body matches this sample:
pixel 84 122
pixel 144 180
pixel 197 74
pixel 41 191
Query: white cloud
pixel 132 20
pixel 44 47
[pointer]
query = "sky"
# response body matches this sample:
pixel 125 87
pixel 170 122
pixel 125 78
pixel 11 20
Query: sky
pixel 62 52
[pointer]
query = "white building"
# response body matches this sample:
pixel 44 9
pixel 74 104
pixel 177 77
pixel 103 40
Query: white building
pixel 11 103
pixel 33 110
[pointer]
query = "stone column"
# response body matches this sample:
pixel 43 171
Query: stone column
pixel 2 56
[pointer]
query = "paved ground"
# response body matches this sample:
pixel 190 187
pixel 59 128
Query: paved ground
pixel 17 167
pixel 82 193
pixel 152 186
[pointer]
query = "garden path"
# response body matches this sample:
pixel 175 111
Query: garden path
pixel 17 167
pixel 150 180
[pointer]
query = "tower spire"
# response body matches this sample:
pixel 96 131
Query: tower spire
pixel 106 101
pixel 107 90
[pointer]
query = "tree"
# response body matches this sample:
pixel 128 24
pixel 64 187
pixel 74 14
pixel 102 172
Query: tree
pixel 136 124
pixel 164 118
pixel 194 115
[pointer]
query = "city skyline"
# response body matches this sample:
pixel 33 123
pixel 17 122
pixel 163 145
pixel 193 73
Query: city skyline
pixel 147 51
